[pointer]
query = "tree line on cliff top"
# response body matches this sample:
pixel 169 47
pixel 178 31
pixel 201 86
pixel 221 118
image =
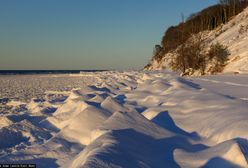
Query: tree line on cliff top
pixel 207 19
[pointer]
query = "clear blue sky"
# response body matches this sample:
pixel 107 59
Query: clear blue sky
pixel 86 34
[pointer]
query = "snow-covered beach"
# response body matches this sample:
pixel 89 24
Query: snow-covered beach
pixel 124 119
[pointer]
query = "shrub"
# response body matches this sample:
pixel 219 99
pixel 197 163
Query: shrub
pixel 219 52
pixel 190 56
pixel 218 56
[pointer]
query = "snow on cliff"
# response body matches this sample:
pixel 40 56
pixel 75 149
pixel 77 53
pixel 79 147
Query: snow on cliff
pixel 233 34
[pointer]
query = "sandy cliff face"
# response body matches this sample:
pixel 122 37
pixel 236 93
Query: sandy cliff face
pixel 233 34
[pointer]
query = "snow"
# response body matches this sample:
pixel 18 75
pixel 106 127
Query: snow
pixel 26 87
pixel 232 86
pixel 130 119
pixel 235 35
pixel 226 154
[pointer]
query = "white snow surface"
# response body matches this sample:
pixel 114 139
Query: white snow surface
pixel 233 34
pixel 133 119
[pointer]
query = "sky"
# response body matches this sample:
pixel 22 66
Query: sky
pixel 86 34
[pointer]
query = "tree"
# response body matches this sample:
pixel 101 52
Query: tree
pixel 158 52
pixel 219 52
pixel 218 56
pixel 190 55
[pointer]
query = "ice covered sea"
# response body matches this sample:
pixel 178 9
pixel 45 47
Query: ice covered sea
pixel 23 87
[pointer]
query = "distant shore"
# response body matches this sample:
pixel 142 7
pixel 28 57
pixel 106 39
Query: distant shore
pixel 28 72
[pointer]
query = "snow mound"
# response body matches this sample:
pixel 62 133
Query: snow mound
pixel 112 105
pixel 63 115
pixel 232 153
pixel 80 127
pixel 4 121
pixel 116 136
pixel 22 134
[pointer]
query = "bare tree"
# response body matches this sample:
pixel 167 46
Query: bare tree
pixel 190 55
